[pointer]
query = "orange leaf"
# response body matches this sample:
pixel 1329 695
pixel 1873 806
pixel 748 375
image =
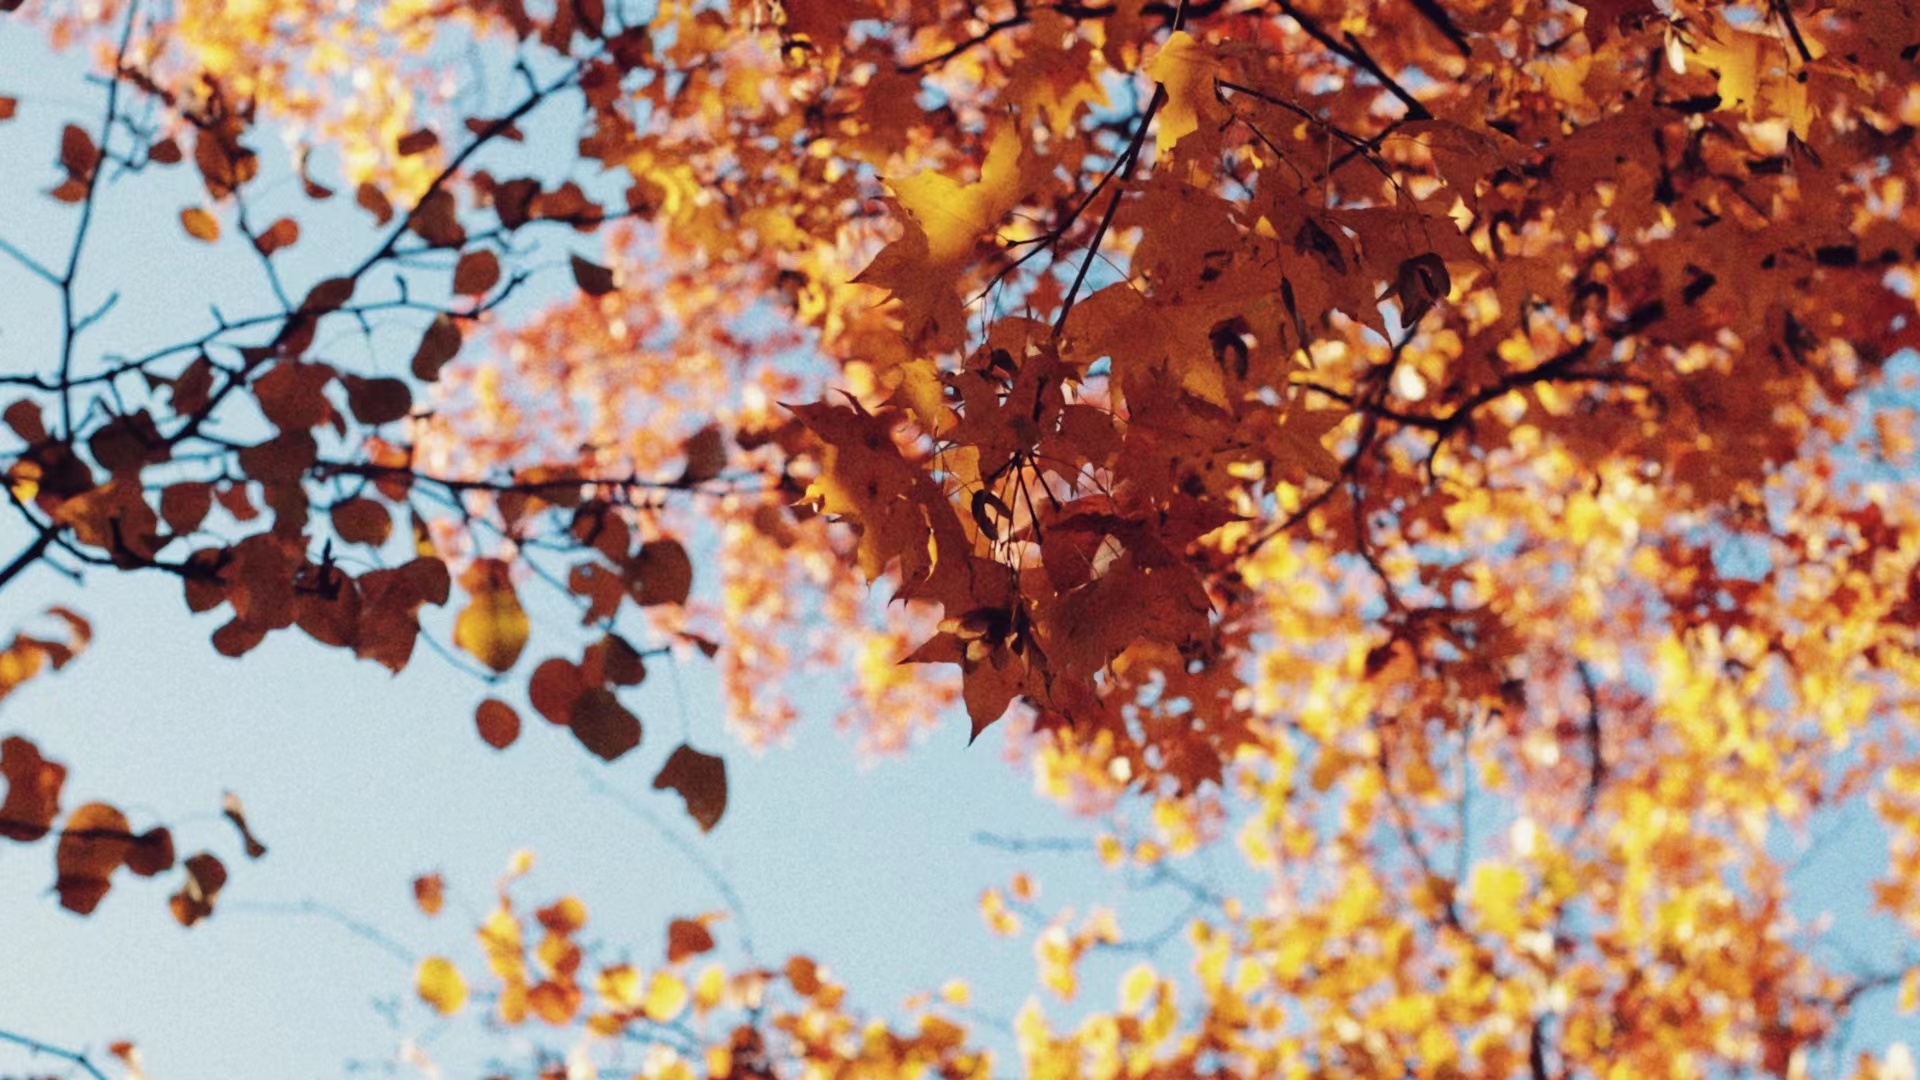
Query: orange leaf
pixel 429 892
pixel 199 224
pixel 687 937
pixel 282 233
pixel 94 842
pixel 33 790
pixel 206 876
pixel 499 725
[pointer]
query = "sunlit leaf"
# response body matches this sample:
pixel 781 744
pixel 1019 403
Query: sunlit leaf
pixel 440 985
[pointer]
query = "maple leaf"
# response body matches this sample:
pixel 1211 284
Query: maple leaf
pixel 945 220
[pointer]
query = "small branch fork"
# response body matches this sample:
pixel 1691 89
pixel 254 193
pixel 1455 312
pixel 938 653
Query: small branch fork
pixel 67 382
pixel 35 1047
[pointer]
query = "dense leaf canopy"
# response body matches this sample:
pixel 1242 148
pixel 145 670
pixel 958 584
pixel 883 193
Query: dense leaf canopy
pixel 1303 419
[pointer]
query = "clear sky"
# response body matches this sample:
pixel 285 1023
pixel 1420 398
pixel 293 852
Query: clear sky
pixel 359 780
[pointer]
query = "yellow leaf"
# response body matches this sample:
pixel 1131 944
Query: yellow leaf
pixel 1497 892
pixel 493 627
pixel 619 986
pixel 440 985
pixel 666 996
pixel 954 215
pixel 1185 69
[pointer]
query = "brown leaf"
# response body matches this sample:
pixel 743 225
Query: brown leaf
pixel 613 660
pixel 194 900
pixel 361 521
pixel 499 725
pixel 477 272
pixel 554 687
pixel 232 809
pixel 416 142
pixel 330 295
pixel 660 574
pixel 184 506
pixel 94 842
pixel 78 155
pixel 1421 281
pixel 33 790
pixel 151 853
pixel 438 345
pixel 206 876
pixel 281 234
pixel 701 780
pixel 375 202
pixel 706 452
pixel 602 724
pixel 593 279
pixel 377 401
pixel 437 220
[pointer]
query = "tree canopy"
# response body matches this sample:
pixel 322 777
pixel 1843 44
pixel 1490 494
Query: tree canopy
pixel 1301 421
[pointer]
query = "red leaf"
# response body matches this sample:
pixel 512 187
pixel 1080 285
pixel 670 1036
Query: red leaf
pixel 429 891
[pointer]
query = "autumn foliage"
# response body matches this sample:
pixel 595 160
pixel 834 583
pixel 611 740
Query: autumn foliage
pixel 1303 421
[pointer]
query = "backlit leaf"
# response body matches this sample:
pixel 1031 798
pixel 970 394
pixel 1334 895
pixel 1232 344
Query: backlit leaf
pixel 493 627
pixel 440 985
